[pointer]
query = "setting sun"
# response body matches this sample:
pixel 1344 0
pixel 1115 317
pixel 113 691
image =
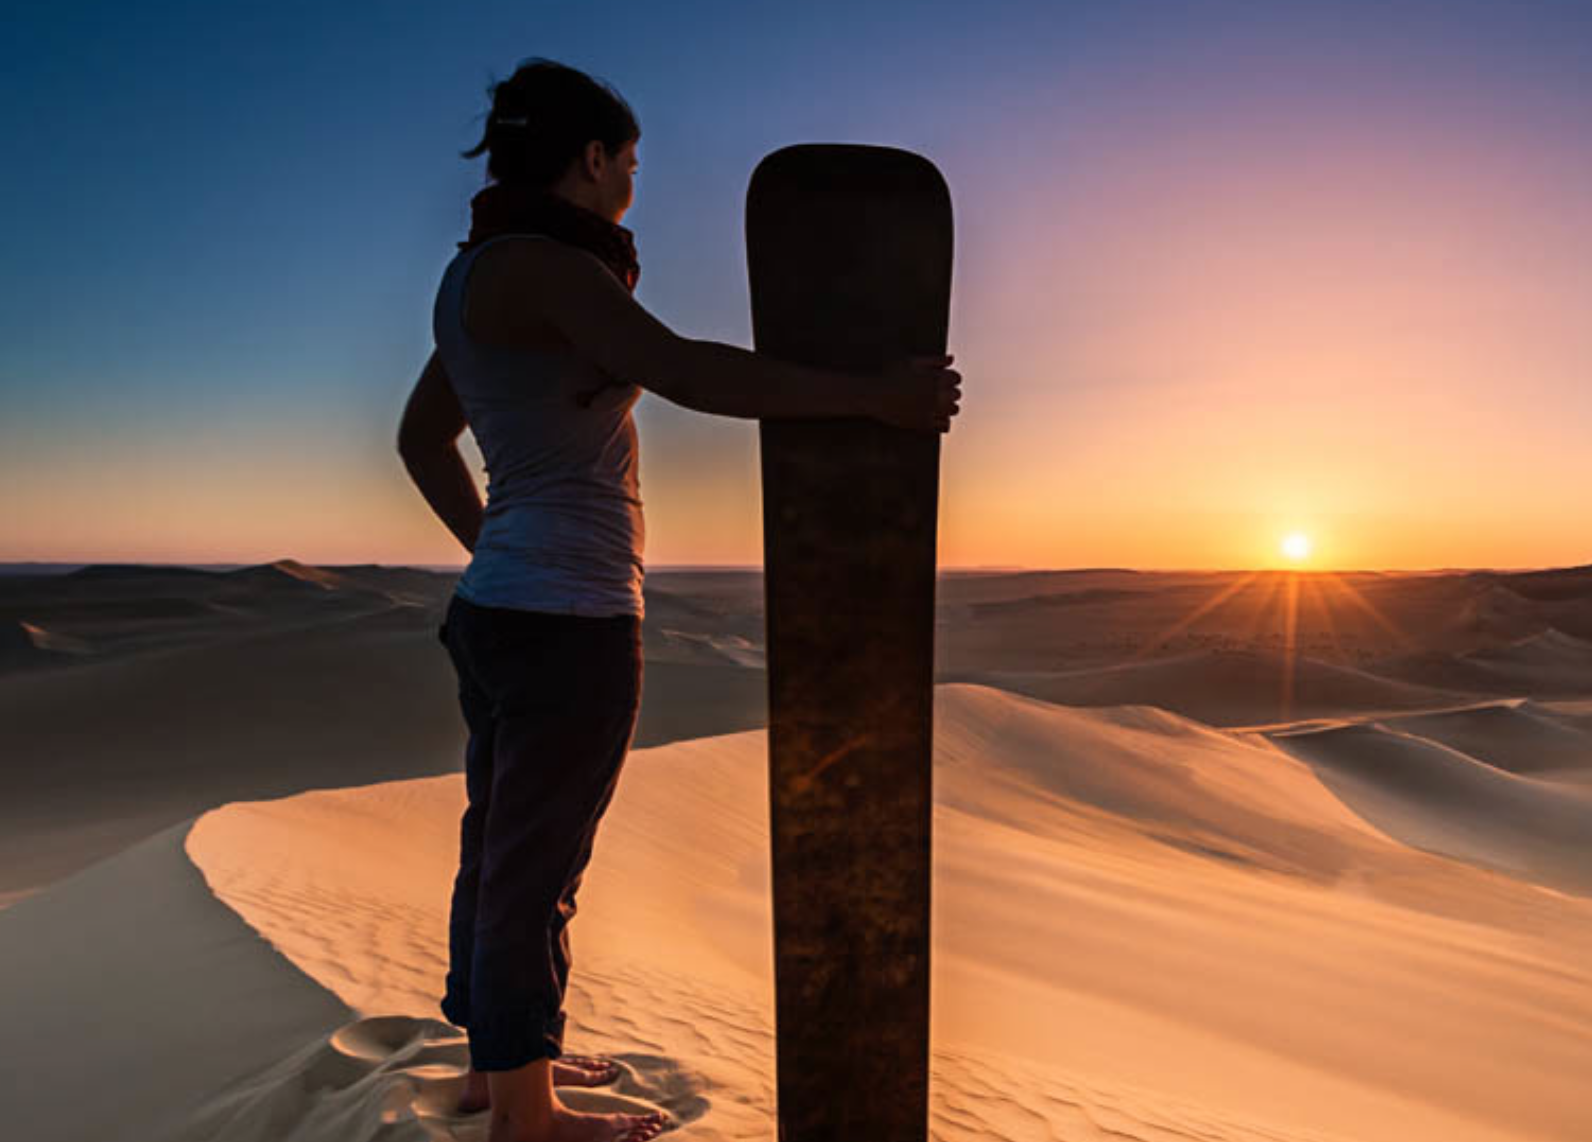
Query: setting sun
pixel 1296 545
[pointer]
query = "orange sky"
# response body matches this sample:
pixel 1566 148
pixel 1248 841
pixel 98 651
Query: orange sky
pixel 1382 348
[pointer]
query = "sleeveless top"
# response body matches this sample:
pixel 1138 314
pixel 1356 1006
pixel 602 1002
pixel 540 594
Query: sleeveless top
pixel 562 530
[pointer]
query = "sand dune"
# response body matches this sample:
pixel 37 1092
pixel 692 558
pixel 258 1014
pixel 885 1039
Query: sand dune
pixel 1435 797
pixel 133 995
pixel 1224 687
pixel 110 752
pixel 1362 911
pixel 1553 585
pixel 704 649
pixel 1547 652
pixel 1544 664
pixel 1498 612
pixel 703 627
pixel 1515 606
pixel 25 646
pixel 1572 712
pixel 1013 586
pixel 331 676
pixel 1042 768
pixel 1517 735
pixel 1143 925
pixel 112 611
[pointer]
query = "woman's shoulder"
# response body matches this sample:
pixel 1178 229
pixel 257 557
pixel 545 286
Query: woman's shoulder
pixel 504 249
pixel 501 284
pixel 523 265
pixel 537 247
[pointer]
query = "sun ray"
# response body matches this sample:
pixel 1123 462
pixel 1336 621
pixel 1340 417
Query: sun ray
pixel 1366 605
pixel 1193 616
pixel 1290 642
pixel 1263 607
pixel 1325 610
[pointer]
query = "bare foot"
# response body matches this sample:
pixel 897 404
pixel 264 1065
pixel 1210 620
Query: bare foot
pixel 584 1070
pixel 569 1070
pixel 571 1126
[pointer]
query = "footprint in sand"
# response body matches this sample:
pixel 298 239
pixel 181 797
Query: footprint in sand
pixel 396 1069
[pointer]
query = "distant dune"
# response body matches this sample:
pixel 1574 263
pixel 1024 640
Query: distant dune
pixel 1547 664
pixel 1518 604
pixel 24 645
pixel 101 754
pixel 1543 654
pixel 1225 687
pixel 700 627
pixel 1496 612
pixel 1554 583
pixel 112 610
pixel 141 670
pixel 1519 735
pixel 1221 891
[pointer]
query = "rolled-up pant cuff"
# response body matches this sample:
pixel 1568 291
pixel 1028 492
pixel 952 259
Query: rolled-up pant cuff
pixel 503 1042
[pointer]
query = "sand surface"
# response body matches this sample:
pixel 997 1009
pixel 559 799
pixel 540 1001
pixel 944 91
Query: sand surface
pixel 1369 920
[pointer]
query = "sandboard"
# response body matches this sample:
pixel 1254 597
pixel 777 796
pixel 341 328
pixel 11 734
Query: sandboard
pixel 849 254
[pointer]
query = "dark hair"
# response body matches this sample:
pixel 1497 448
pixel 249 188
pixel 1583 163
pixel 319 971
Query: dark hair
pixel 543 116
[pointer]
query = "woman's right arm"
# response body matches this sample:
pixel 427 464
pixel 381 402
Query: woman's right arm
pixel 431 425
pixel 570 288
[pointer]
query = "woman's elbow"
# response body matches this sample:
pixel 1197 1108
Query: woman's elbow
pixel 432 418
pixel 416 445
pixel 408 441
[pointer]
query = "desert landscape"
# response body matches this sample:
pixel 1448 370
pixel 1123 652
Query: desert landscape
pixel 1218 855
pixel 1209 380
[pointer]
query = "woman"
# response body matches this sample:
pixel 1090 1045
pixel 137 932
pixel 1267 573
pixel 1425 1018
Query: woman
pixel 542 351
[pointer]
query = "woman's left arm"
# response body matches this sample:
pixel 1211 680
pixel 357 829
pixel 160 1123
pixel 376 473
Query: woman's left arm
pixel 427 436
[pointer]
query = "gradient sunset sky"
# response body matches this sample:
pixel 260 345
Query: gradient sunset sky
pixel 1224 271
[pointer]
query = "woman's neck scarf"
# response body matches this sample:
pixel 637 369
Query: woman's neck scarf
pixel 508 209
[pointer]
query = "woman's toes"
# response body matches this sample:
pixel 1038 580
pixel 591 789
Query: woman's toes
pixel 646 1126
pixel 594 1063
pixel 584 1070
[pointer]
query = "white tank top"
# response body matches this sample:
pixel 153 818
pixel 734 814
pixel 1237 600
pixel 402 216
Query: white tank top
pixel 563 528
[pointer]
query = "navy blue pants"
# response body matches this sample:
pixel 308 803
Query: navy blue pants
pixel 550 701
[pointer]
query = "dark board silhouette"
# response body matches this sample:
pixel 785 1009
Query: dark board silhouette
pixel 849 252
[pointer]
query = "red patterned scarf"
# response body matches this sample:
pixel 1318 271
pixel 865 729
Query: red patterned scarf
pixel 508 209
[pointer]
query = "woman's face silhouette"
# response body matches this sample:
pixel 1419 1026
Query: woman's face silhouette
pixel 622 184
pixel 602 182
